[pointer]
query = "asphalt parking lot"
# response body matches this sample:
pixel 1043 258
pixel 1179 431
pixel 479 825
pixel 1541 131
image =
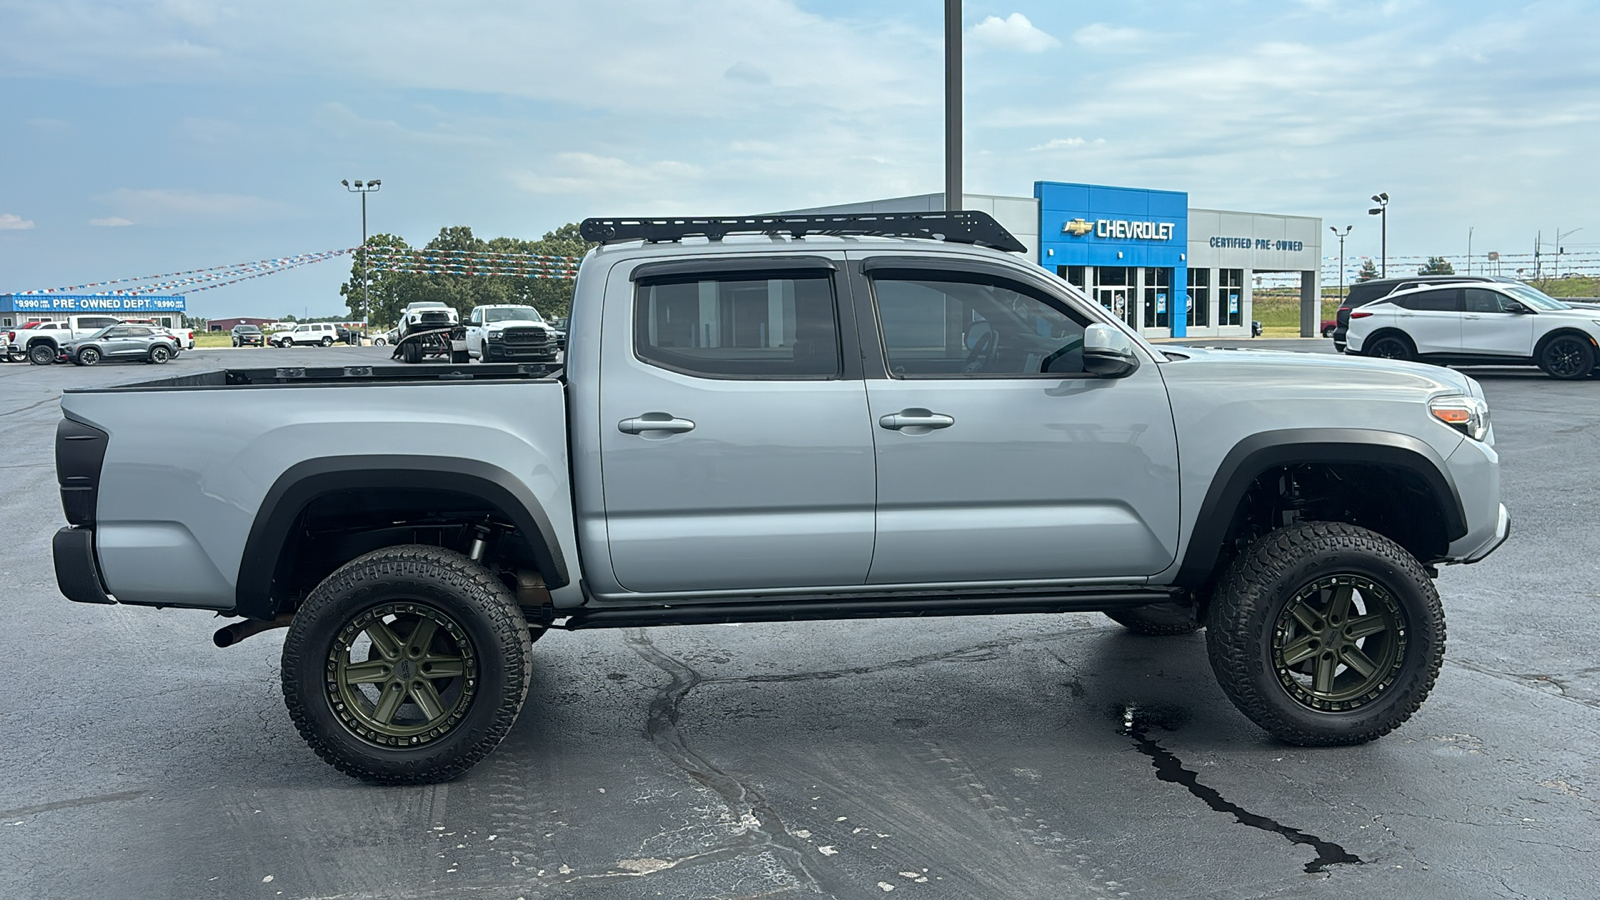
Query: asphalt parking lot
pixel 1020 757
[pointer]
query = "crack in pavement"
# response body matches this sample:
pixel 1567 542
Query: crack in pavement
pixel 22 409
pixel 1169 768
pixel 744 801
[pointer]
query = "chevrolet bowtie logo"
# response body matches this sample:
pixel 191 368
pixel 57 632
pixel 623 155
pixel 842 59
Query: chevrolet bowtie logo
pixel 1078 227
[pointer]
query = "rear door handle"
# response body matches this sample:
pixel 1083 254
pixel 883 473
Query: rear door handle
pixel 655 421
pixel 913 419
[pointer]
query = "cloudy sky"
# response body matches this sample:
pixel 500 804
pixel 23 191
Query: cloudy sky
pixel 164 135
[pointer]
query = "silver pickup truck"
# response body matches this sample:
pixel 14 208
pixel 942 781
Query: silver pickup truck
pixel 848 416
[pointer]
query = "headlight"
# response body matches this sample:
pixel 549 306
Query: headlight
pixel 494 334
pixel 1468 415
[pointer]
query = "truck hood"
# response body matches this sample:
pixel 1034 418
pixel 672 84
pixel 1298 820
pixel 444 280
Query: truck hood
pixel 1321 372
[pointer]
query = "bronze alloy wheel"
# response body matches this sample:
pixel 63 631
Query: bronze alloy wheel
pixel 1338 643
pixel 401 674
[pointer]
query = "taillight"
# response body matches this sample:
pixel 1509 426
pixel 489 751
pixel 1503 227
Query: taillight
pixel 1360 315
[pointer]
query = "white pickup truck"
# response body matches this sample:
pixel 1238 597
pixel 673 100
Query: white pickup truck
pixel 841 417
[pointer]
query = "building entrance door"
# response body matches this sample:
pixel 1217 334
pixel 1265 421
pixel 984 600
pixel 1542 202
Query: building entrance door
pixel 1118 301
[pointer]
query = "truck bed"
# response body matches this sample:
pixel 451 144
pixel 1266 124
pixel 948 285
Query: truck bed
pixel 341 375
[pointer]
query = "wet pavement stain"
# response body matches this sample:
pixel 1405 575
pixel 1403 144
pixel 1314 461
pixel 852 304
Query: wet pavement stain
pixel 1135 722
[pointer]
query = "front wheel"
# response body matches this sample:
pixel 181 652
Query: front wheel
pixel 1567 356
pixel 42 354
pixel 88 356
pixel 407 665
pixel 1325 633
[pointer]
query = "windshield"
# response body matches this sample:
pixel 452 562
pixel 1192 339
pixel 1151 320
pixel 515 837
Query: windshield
pixel 248 329
pixel 1533 297
pixel 512 313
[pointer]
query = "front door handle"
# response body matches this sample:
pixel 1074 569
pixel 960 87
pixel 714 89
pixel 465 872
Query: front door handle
pixel 915 421
pixel 655 421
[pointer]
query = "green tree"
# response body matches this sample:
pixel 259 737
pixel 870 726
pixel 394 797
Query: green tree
pixel 1369 271
pixel 1437 265
pixel 387 285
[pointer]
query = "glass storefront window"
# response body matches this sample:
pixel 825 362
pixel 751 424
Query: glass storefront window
pixel 1199 298
pixel 1074 275
pixel 1230 293
pixel 1157 298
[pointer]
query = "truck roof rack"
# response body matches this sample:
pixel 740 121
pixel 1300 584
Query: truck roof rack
pixel 954 226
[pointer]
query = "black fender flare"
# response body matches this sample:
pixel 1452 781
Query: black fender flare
pixel 1260 452
pixel 304 482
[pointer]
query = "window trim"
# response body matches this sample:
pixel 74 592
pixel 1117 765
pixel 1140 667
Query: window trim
pixel 847 361
pixel 964 272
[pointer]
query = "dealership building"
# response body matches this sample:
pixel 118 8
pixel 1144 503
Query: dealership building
pixel 1162 267
pixel 20 309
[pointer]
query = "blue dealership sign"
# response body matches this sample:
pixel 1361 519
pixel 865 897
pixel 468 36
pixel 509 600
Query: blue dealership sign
pixel 90 303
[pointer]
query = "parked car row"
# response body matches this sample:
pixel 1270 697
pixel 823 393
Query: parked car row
pixel 43 343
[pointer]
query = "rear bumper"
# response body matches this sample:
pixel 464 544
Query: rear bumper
pixel 77 571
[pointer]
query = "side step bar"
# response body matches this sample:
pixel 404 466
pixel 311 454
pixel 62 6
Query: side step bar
pixel 866 608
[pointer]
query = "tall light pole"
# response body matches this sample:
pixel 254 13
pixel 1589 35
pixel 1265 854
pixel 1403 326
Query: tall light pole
pixel 953 197
pixel 361 255
pixel 1561 236
pixel 1342 235
pixel 1382 209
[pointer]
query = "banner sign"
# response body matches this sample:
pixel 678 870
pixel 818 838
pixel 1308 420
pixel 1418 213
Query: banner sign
pixel 80 303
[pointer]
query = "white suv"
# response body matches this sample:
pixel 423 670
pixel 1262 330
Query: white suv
pixel 324 333
pixel 1480 324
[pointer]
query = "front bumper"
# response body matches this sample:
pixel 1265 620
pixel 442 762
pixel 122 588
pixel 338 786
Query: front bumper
pixel 77 570
pixel 1502 530
pixel 546 352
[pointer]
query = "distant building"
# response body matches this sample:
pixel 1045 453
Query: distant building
pixel 227 324
pixel 20 309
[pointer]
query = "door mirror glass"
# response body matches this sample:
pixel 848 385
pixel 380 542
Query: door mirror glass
pixel 1512 306
pixel 1108 352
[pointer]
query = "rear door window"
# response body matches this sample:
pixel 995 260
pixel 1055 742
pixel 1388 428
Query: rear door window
pixel 1440 300
pixel 739 325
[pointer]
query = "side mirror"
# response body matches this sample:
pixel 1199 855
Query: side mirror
pixel 1517 308
pixel 1108 352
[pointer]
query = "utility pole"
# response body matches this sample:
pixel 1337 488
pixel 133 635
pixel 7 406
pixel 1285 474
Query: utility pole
pixel 1469 250
pixel 361 254
pixel 953 196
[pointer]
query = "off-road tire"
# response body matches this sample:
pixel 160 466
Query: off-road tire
pixel 1567 357
pixel 1284 564
pixel 1157 619
pixel 397 580
pixel 42 354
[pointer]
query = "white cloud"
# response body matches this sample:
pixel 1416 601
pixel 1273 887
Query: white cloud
pixel 1108 36
pixel 1014 32
pixel 1065 144
pixel 163 206
pixel 14 222
pixel 110 222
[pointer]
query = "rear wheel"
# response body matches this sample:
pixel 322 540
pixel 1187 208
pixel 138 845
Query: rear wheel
pixel 1567 356
pixel 411 351
pixel 327 342
pixel 160 353
pixel 407 665
pixel 460 356
pixel 1390 346
pixel 88 356
pixel 42 354
pixel 1324 634
pixel 1156 619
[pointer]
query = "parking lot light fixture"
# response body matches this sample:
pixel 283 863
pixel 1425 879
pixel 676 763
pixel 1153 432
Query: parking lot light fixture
pixel 1342 235
pixel 361 255
pixel 1382 209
